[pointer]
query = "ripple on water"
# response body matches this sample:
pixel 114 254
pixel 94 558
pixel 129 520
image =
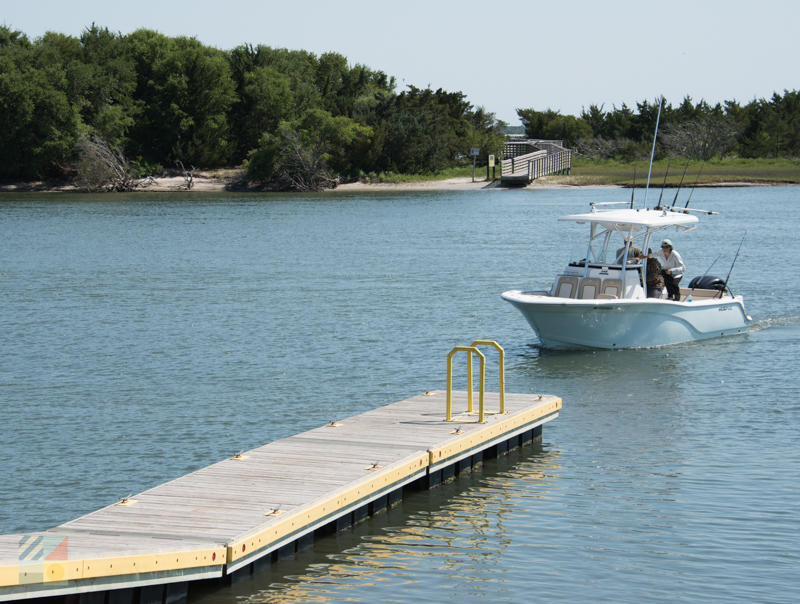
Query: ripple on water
pixel 145 337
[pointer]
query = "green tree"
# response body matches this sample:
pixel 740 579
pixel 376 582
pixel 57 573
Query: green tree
pixel 309 153
pixel 104 81
pixel 551 125
pixel 269 97
pixel 38 125
pixel 184 92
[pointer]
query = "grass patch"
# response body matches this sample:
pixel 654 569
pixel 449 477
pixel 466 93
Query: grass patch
pixel 715 171
pixel 587 172
pixel 459 172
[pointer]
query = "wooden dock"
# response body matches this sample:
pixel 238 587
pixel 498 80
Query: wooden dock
pixel 230 519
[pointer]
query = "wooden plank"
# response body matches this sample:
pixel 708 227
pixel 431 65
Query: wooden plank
pixel 311 476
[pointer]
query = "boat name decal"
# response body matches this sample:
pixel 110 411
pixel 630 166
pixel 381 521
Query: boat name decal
pixel 721 308
pixel 603 308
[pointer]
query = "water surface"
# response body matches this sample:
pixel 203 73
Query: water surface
pixel 145 336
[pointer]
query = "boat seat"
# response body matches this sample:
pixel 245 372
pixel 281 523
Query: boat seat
pixel 612 287
pixel 606 297
pixel 589 289
pixel 566 287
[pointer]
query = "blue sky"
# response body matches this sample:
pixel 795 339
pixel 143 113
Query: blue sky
pixel 559 55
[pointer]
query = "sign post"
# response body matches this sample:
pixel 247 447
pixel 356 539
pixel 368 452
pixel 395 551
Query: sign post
pixel 474 152
pixel 490 165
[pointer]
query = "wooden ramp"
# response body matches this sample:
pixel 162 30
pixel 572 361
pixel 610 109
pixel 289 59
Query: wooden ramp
pixel 233 517
pixel 525 161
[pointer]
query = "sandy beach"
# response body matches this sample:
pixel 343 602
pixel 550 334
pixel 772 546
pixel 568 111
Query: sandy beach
pixel 210 183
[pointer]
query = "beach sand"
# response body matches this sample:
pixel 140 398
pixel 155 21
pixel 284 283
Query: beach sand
pixel 210 183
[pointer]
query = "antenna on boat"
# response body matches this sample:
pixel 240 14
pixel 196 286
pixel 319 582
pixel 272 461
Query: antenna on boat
pixel 680 184
pixel 695 184
pixel 732 263
pixel 664 184
pixel 633 188
pixel 653 152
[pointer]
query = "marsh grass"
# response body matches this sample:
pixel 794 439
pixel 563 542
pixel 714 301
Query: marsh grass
pixel 613 172
pixel 715 171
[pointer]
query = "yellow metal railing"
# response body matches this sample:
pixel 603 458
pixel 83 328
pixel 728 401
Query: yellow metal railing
pixel 501 353
pixel 470 350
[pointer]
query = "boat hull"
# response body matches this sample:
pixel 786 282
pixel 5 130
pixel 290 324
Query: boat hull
pixel 611 324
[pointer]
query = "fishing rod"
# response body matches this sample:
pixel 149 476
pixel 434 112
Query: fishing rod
pixel 681 183
pixel 698 281
pixel 653 152
pixel 664 184
pixel 633 188
pixel 695 184
pixel 732 263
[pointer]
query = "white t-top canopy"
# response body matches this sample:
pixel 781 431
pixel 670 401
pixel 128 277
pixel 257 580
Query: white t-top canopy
pixel 641 218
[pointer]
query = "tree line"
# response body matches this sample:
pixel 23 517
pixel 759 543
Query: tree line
pixel 288 116
pixel 762 128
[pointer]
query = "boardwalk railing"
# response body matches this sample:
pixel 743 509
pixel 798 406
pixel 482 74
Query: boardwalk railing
pixel 520 163
pixel 540 158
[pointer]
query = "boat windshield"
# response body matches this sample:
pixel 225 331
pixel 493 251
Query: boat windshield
pixel 616 253
pixel 577 256
pixel 607 247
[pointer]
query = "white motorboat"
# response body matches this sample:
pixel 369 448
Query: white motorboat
pixel 600 301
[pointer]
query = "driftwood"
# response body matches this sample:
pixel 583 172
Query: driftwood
pixel 102 166
pixel 303 167
pixel 188 175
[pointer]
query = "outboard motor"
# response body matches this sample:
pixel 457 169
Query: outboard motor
pixel 707 282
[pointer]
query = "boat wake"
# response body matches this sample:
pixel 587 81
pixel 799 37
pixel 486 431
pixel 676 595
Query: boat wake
pixel 785 320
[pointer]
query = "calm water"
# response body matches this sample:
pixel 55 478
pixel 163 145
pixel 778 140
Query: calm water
pixel 146 336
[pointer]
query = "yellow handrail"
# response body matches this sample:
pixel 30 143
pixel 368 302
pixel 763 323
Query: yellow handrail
pixel 502 370
pixel 470 350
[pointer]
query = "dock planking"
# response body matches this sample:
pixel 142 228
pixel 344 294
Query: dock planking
pixel 230 518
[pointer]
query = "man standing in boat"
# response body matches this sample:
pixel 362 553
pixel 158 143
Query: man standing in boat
pixel 654 280
pixel 672 269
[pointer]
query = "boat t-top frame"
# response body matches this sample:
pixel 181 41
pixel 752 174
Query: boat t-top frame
pixel 631 225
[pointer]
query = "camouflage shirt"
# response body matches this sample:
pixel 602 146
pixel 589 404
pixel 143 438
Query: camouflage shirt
pixel 654 277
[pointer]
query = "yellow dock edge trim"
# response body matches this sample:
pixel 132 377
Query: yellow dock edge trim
pixel 507 425
pixel 148 563
pixel 306 515
pixel 50 571
pixel 38 572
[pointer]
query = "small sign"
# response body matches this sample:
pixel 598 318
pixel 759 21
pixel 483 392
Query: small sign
pixel 491 161
pixel 474 151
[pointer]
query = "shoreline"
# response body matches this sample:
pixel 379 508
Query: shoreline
pixel 207 184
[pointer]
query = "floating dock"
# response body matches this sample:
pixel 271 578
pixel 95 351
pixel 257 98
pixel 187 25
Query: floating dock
pixel 232 518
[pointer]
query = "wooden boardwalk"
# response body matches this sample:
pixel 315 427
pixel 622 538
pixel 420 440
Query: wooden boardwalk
pixel 527 160
pixel 231 518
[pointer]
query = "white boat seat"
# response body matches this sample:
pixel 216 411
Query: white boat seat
pixel 612 287
pixel 589 289
pixel 606 297
pixel 566 287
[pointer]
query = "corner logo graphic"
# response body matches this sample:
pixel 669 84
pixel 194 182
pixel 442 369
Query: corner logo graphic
pixel 41 559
